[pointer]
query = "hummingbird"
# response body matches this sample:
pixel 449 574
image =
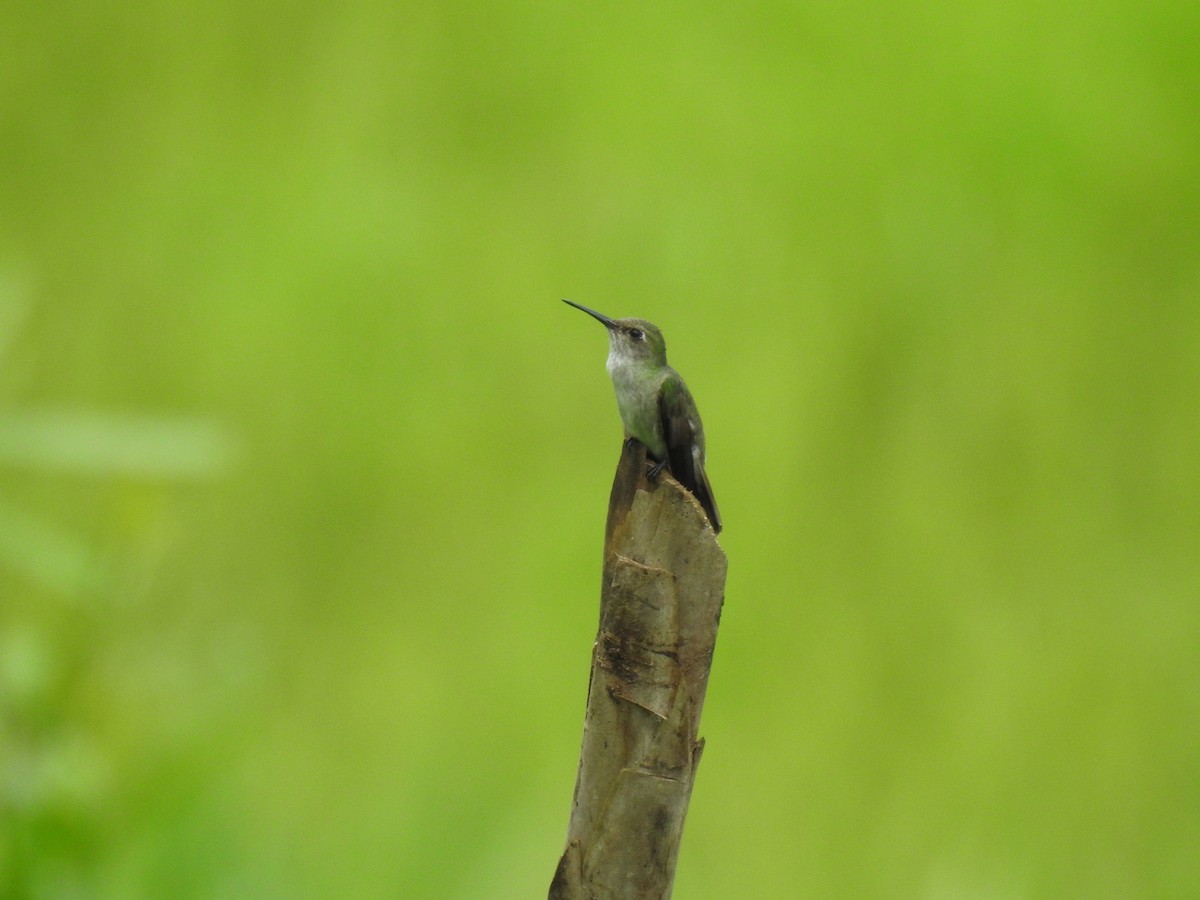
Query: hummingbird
pixel 656 406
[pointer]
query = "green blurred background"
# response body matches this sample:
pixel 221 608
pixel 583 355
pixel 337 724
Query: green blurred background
pixel 304 466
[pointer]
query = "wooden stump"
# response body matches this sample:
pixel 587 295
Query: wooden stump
pixel 660 604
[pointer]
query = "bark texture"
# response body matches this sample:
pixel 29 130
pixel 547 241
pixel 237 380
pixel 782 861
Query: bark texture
pixel 660 603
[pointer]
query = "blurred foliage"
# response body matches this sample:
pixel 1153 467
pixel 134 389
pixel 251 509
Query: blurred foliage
pixel 303 466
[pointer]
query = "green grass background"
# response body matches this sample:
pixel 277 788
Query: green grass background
pixel 304 466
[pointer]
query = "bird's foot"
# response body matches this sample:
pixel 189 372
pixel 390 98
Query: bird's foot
pixel 652 471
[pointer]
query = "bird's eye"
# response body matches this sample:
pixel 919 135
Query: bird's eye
pixel 637 334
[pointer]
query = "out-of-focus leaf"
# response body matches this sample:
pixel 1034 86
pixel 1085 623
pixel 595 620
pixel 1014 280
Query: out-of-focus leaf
pixel 107 444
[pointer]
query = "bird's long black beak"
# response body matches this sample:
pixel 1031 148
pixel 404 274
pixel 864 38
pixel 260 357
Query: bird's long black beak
pixel 608 323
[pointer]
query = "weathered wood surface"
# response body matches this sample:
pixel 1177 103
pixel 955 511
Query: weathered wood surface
pixel 660 604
